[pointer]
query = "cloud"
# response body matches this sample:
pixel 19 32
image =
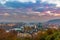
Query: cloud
pixel 43 11
pixel 25 4
pixel 42 14
pixel 16 4
pixel 57 2
pixel 5 14
pixel 35 13
pixel 4 1
pixel 53 14
pixel 27 1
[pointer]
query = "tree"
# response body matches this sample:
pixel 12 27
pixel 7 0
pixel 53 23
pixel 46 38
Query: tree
pixel 7 35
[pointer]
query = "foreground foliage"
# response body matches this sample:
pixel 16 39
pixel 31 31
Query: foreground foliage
pixel 50 34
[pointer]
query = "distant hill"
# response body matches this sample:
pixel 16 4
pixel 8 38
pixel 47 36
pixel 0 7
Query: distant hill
pixel 55 21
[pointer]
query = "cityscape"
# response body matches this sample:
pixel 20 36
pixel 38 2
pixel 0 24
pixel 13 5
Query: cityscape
pixel 29 19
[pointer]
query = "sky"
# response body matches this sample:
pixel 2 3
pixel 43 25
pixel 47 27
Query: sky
pixel 45 11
